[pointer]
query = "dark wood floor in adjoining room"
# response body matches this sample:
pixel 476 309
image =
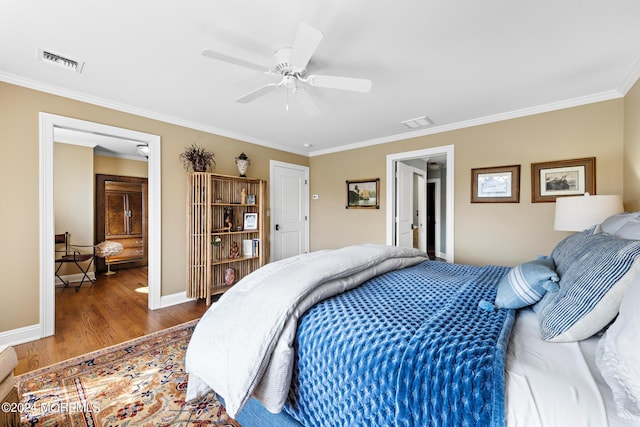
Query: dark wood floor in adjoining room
pixel 112 311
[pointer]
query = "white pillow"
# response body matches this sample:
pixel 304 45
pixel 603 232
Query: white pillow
pixel 631 230
pixel 618 355
pixel 617 221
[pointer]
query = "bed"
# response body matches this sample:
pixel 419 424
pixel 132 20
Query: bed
pixel 379 335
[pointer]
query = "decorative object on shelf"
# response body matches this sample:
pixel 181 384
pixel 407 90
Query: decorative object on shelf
pixel 228 220
pixel 242 162
pixel 250 220
pixel 251 199
pixel 234 252
pixel 217 243
pixel 106 250
pixel 229 276
pixel 243 196
pixel 500 184
pixel 562 178
pixel 363 194
pixel 197 158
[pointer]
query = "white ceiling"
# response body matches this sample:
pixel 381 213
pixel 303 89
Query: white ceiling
pixel 458 62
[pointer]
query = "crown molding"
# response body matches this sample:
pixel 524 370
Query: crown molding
pixel 106 103
pixel 632 77
pixel 545 108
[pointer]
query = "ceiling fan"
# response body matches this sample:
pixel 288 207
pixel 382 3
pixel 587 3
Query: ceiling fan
pixel 291 66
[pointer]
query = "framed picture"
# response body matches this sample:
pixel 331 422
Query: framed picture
pixel 250 221
pixel 251 199
pixel 500 184
pixel 363 194
pixel 562 178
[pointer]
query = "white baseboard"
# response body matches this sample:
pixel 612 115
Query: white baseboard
pixel 174 299
pixel 34 332
pixel 20 335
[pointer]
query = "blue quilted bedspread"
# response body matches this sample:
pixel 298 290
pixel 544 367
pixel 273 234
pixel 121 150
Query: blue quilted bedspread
pixel 408 348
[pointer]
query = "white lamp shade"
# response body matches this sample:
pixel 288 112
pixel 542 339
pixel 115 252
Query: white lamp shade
pixel 581 212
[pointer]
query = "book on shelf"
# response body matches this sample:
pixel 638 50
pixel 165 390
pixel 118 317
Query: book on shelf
pixel 250 248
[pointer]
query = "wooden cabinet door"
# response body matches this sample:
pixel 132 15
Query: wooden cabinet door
pixel 121 216
pixel 116 218
pixel 136 213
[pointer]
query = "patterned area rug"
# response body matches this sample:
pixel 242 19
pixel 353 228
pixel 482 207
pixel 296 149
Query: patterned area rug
pixel 138 383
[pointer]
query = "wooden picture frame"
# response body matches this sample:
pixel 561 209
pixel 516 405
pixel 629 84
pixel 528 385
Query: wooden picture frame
pixel 499 184
pixel 363 194
pixel 250 221
pixel 574 177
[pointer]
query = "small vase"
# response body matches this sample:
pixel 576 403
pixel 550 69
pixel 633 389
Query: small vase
pixel 229 276
pixel 242 162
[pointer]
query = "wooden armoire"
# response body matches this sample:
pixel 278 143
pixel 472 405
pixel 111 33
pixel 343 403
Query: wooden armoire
pixel 121 216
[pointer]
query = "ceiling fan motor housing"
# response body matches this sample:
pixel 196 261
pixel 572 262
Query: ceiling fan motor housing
pixel 283 66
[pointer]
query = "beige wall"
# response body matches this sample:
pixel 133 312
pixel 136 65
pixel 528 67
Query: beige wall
pixel 484 233
pixel 496 233
pixel 74 171
pixel 73 196
pixel 632 149
pixel 117 166
pixel 19 162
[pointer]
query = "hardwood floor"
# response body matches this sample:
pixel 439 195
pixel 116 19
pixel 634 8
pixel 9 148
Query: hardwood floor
pixel 111 311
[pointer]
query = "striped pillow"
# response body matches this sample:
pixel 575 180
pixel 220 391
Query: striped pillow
pixel 526 283
pixel 595 270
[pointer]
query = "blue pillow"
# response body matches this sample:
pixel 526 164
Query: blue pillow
pixel 595 271
pixel 526 283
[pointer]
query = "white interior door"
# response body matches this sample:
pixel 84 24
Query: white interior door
pixel 445 155
pixel 404 206
pixel 289 210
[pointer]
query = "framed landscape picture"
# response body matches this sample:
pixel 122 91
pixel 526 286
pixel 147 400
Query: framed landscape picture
pixel 550 180
pixel 500 184
pixel 363 194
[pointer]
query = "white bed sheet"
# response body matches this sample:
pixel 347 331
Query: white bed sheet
pixel 555 384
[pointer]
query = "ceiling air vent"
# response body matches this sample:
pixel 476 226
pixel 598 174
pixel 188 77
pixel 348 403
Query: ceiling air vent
pixel 418 122
pixel 59 60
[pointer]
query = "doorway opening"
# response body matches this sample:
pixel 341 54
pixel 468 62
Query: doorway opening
pixel 49 125
pixel 434 221
pixel 438 165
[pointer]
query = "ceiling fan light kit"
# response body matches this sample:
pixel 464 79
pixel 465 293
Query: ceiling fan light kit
pixel 291 66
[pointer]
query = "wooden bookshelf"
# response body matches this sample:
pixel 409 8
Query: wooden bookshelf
pixel 216 211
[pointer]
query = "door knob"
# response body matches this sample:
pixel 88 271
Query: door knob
pixel 277 227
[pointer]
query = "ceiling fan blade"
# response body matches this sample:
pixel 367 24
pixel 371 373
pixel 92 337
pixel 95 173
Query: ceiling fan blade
pixel 306 102
pixel 305 44
pixel 257 93
pixel 233 60
pixel 342 83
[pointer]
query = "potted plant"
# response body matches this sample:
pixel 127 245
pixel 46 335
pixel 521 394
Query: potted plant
pixel 198 158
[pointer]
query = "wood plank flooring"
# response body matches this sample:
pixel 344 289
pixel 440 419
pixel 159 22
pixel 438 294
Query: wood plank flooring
pixel 111 311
